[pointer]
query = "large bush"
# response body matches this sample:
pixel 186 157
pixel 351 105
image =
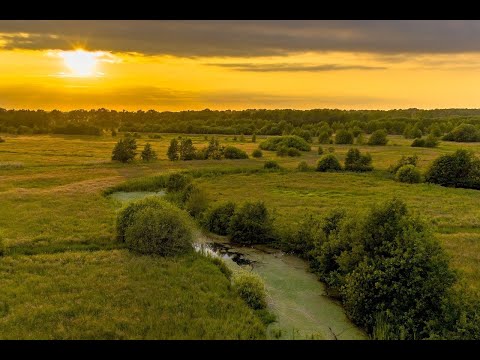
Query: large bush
pixel 231 152
pixel 251 289
pixel 379 137
pixel 430 141
pixel 328 162
pixel 386 262
pixel 356 161
pixel 163 230
pixel 463 133
pixel 290 141
pixel 303 166
pixel 404 160
pixel 344 137
pixel 251 224
pixel 217 219
pixel 460 169
pixel 195 201
pixel 408 174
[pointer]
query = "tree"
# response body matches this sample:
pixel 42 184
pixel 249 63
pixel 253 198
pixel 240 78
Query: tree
pixel 356 161
pixel 344 137
pixel 254 138
pixel 148 153
pixel 172 151
pixel 214 150
pixel 379 137
pixel 252 224
pixel 124 150
pixel 187 150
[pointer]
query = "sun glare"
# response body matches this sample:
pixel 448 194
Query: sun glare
pixel 80 63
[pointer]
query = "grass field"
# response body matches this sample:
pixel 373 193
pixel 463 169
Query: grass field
pixel 52 211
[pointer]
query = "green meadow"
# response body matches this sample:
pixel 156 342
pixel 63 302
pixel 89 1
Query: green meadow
pixel 63 275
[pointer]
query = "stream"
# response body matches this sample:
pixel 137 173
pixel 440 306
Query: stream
pixel 297 298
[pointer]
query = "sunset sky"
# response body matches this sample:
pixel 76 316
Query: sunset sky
pixel 177 65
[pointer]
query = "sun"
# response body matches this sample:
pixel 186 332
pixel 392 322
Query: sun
pixel 80 63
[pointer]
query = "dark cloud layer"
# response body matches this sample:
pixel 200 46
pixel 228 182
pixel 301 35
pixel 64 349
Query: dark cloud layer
pixel 246 38
pixel 294 67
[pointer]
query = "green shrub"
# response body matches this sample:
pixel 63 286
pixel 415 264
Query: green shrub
pixel 379 137
pixel 173 150
pixel 430 141
pixel 257 153
pixel 164 231
pixel 293 152
pixel 303 166
pixel 344 137
pixel 463 133
pixel 408 174
pixel 177 182
pixel 125 215
pixel 251 289
pixel 282 151
pixel 404 160
pixel 196 202
pixel 251 224
pixel 231 152
pixel 320 150
pixel 386 261
pixel 324 137
pixel 271 165
pixel 217 219
pixel 289 141
pixel 328 162
pixel 460 169
pixel 355 161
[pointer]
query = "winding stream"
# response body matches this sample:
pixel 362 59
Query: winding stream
pixel 295 296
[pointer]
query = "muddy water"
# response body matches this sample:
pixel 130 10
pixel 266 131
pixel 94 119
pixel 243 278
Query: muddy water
pixel 298 299
pixel 295 296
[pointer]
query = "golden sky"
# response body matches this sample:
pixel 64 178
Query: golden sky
pixel 187 65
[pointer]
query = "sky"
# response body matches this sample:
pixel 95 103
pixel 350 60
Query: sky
pixel 192 65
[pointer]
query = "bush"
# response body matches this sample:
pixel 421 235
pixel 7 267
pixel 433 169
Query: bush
pixel 430 141
pixel 177 182
pixel 125 216
pixel 293 152
pixel 231 152
pixel 328 162
pixel 195 201
pixel 404 160
pixel 148 153
pixel 303 166
pixel 289 141
pixel 355 161
pixel 387 262
pixel 124 150
pixel 257 153
pixel 460 169
pixel 379 137
pixel 173 150
pixel 282 151
pixel 251 224
pixel 324 137
pixel 222 266
pixel 408 174
pixel 271 165
pixel 217 219
pixel 251 289
pixel 164 231
pixel 344 137
pixel 463 133
pixel 320 150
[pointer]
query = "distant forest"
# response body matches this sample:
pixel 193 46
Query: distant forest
pixel 305 123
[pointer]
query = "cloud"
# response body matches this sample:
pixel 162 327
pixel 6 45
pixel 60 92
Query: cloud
pixel 244 38
pixel 293 67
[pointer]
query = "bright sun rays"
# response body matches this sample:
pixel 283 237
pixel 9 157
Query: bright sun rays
pixel 83 63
